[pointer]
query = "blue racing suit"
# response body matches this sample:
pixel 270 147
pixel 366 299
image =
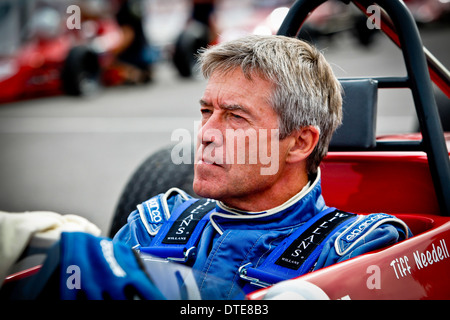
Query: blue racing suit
pixel 232 242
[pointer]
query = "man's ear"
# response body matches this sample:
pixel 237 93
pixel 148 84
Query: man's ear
pixel 303 142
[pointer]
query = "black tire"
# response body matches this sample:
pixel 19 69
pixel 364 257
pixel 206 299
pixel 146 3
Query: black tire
pixel 194 37
pixel 81 72
pixel 155 175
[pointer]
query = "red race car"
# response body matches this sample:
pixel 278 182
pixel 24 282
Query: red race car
pixel 42 54
pixel 406 175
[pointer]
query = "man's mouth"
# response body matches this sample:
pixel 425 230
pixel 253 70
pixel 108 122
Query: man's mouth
pixel 203 157
pixel 210 162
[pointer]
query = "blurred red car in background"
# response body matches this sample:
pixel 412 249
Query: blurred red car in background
pixel 41 55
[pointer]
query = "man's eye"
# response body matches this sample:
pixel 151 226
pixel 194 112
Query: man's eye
pixel 205 112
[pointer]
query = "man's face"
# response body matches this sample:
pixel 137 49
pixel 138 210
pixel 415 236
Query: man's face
pixel 239 156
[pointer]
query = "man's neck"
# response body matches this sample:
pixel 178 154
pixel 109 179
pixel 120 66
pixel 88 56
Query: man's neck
pixel 286 187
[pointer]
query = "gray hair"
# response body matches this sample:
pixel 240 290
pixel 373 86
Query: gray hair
pixel 306 92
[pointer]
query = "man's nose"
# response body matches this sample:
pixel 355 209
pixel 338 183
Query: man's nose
pixel 211 131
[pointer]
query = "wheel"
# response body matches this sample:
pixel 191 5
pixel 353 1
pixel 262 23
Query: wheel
pixel 81 72
pixel 194 37
pixel 155 175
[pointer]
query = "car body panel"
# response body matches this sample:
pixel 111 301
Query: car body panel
pixel 366 182
pixel 416 268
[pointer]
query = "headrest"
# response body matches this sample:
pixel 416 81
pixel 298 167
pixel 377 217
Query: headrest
pixel 358 129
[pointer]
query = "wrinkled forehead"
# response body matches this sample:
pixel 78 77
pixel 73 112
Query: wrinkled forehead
pixel 233 91
pixel 234 87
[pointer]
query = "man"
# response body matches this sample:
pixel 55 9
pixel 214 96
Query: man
pixel 134 57
pixel 268 112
